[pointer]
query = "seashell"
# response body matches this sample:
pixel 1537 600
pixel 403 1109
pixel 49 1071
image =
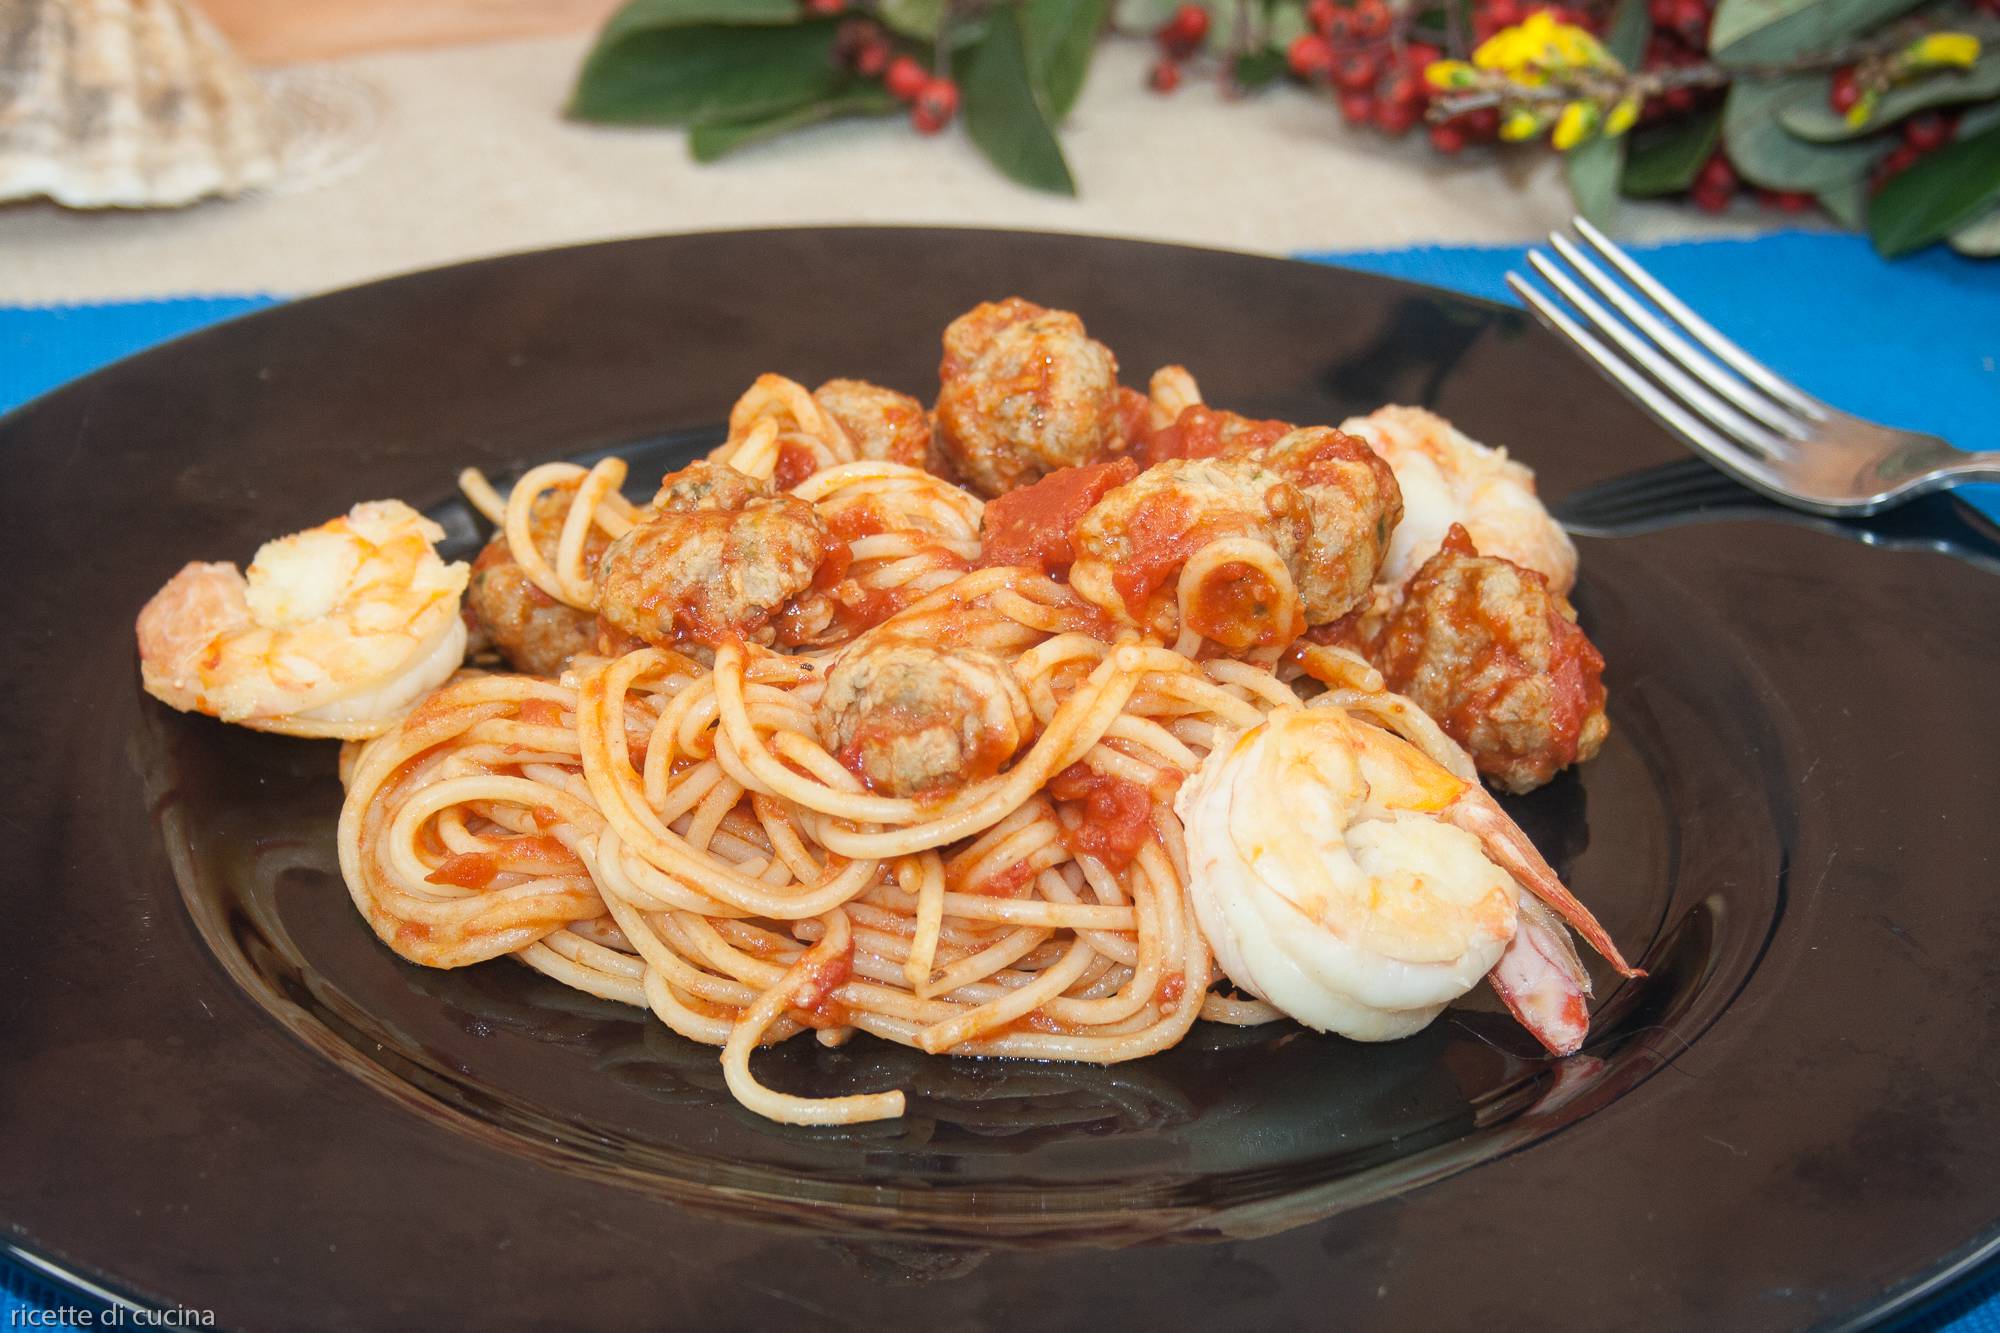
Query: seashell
pixel 129 104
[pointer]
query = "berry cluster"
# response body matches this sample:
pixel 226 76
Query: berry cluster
pixel 862 46
pixel 1922 134
pixel 1179 38
pixel 1377 79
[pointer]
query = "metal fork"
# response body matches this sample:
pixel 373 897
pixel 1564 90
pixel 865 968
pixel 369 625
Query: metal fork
pixel 1729 407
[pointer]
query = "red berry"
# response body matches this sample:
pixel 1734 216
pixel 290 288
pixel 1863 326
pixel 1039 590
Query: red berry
pixel 1321 14
pixel 1716 173
pixel 1844 91
pixel 826 7
pixel 935 106
pixel 1356 71
pixel 1662 12
pixel 1310 56
pixel 1691 21
pixel 1679 100
pixel 872 59
pixel 1503 13
pixel 1710 199
pixel 1371 19
pixel 1900 160
pixel 1166 76
pixel 1183 33
pixel 1928 132
pixel 1339 27
pixel 1483 124
pixel 905 79
pixel 1418 56
pixel 1447 138
pixel 1394 119
pixel 1357 108
pixel 1788 201
pixel 1408 93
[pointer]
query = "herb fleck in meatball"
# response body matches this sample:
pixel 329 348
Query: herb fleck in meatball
pixel 1488 650
pixel 883 424
pixel 911 719
pixel 536 633
pixel 1024 391
pixel 718 555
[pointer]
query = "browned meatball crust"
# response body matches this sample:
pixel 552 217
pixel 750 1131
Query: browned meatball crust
pixel 1485 648
pixel 536 633
pixel 716 556
pixel 1355 505
pixel 882 423
pixel 910 719
pixel 1023 391
pixel 1132 545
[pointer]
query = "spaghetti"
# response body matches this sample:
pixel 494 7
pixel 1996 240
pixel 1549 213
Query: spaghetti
pixel 827 743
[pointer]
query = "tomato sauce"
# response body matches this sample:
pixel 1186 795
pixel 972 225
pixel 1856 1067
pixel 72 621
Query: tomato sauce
pixel 1162 536
pixel 1117 815
pixel 1034 525
pixel 535 854
pixel 813 1003
pixel 795 463
pixel 1234 608
pixel 1203 432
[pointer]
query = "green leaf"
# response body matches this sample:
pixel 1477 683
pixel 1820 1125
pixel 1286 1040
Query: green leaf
pixel 1255 70
pixel 1847 203
pixel 920 21
pixel 1060 36
pixel 1626 35
pixel 1765 154
pixel 1943 192
pixel 681 75
pixel 1285 24
pixel 1979 238
pixel 1665 159
pixel 714 139
pixel 650 15
pixel 1593 168
pixel 1005 110
pixel 1818 121
pixel 1748 32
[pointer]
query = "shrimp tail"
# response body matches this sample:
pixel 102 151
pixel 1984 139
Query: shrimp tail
pixel 1480 815
pixel 1542 982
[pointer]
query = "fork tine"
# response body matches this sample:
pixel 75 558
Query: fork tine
pixel 1702 367
pixel 1738 360
pixel 1725 454
pixel 1694 394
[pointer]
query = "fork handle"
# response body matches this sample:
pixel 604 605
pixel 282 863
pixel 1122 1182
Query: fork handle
pixel 1974 467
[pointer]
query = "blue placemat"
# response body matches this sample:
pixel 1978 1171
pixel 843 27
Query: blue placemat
pixel 1915 343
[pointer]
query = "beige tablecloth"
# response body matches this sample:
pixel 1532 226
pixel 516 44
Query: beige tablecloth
pixel 467 155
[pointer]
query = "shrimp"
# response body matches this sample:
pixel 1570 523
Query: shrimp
pixel 336 631
pixel 1344 876
pixel 1446 478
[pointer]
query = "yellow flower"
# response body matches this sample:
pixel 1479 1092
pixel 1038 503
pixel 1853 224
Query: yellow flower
pixel 1622 117
pixel 1577 122
pixel 1446 75
pixel 1519 124
pixel 1938 50
pixel 1864 107
pixel 1539 44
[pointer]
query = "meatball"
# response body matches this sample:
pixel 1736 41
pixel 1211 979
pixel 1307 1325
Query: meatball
pixel 718 555
pixel 537 634
pixel 1495 656
pixel 1132 545
pixel 1023 391
pixel 910 719
pixel 1355 506
pixel 883 424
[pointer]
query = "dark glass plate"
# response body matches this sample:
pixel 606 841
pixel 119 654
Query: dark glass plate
pixel 220 1091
